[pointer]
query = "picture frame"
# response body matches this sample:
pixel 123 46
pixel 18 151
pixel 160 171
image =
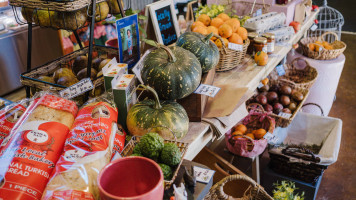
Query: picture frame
pixel 128 40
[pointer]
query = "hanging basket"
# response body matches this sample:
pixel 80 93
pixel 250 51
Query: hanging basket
pixel 230 59
pixel 301 78
pixel 325 54
pixel 254 191
pixel 246 146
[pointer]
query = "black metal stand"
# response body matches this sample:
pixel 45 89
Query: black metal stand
pixel 29 55
pixel 78 39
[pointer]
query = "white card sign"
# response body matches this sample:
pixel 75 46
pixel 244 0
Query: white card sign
pixel 280 70
pixel 77 89
pixel 285 115
pixel 270 137
pixel 207 90
pixel 236 47
pixel 203 175
pixel 313 27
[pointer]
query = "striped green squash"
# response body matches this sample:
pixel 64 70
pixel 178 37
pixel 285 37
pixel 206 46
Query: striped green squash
pixel 162 117
pixel 173 72
pixel 202 47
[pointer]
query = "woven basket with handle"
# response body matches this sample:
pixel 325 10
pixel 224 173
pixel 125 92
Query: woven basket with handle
pixel 254 191
pixel 301 78
pixel 229 59
pixel 325 54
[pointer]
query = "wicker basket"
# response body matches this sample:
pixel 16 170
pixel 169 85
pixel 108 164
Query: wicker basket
pixel 254 191
pixel 30 78
pixel 60 5
pixel 297 163
pixel 301 78
pixel 230 59
pixel 324 54
pixel 128 150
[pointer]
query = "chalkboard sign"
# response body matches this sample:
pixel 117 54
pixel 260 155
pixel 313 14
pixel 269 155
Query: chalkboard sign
pixel 164 21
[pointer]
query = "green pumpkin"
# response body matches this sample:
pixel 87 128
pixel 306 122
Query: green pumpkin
pixel 202 47
pixel 160 117
pixel 173 72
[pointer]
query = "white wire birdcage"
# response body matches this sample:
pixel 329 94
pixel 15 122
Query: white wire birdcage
pixel 330 20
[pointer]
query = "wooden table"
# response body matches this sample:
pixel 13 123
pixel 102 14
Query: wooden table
pixel 247 75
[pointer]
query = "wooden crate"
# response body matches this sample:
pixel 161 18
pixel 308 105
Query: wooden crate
pixel 195 104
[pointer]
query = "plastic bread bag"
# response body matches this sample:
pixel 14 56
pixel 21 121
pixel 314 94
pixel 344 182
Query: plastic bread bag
pixel 9 115
pixel 88 148
pixel 36 142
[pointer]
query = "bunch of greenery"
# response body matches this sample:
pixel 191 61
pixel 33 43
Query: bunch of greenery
pixel 285 191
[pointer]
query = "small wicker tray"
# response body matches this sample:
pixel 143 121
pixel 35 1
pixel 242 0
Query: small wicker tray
pixel 324 54
pixel 127 151
pixel 29 78
pixel 230 59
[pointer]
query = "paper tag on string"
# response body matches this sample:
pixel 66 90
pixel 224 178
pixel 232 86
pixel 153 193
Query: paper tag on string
pixel 236 47
pixel 313 27
pixel 203 175
pixel 285 115
pixel 77 89
pixel 280 70
pixel 270 137
pixel 207 90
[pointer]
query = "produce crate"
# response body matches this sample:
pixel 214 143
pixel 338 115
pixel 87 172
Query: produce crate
pixel 30 78
pixel 127 151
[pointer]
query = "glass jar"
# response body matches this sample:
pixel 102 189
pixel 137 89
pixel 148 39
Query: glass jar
pixel 251 36
pixel 271 41
pixel 260 44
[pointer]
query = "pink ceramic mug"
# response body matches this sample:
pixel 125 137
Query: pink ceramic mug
pixel 131 178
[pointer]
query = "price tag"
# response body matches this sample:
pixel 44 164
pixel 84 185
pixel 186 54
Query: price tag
pixel 259 12
pixel 207 90
pixel 280 70
pixel 313 27
pixel 236 47
pixel 203 175
pixel 77 89
pixel 270 137
pixel 285 115
pixel 260 85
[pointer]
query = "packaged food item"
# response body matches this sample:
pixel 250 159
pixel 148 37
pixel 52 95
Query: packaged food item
pixel 9 115
pixel 88 148
pixel 36 143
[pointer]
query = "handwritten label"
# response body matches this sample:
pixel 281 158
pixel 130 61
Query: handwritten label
pixel 236 47
pixel 270 137
pixel 285 115
pixel 203 175
pixel 207 90
pixel 166 25
pixel 138 67
pixel 313 27
pixel 77 89
pixel 280 70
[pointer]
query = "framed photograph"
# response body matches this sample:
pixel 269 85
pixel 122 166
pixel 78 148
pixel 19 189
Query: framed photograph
pixel 129 40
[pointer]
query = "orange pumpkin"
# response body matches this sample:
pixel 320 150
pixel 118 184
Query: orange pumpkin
pixel 225 31
pixel 261 58
pixel 201 29
pixel 242 128
pixel 242 32
pixel 197 23
pixel 217 22
pixel 204 18
pixel 223 16
pixel 235 38
pixel 260 133
pixel 234 23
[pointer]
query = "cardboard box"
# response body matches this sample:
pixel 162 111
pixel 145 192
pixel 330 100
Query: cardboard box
pixel 110 70
pixel 123 87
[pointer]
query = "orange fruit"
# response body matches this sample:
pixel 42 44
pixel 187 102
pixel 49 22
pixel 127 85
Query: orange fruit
pixel 235 38
pixel 204 18
pixel 234 23
pixel 265 81
pixel 261 58
pixel 311 46
pixel 219 43
pixel 214 30
pixel 236 133
pixel 328 47
pixel 242 32
pixel 223 16
pixel 225 31
pixel 260 133
pixel 242 128
pixel 318 47
pixel 318 42
pixel 236 137
pixel 217 22
pixel 201 29
pixel 251 135
pixel 197 23
pixel 325 43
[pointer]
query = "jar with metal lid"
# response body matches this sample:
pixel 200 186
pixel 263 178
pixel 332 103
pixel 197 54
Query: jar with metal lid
pixel 251 36
pixel 270 42
pixel 260 44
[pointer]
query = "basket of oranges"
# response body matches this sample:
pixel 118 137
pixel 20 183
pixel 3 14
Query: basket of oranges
pixel 318 48
pixel 226 30
pixel 247 137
